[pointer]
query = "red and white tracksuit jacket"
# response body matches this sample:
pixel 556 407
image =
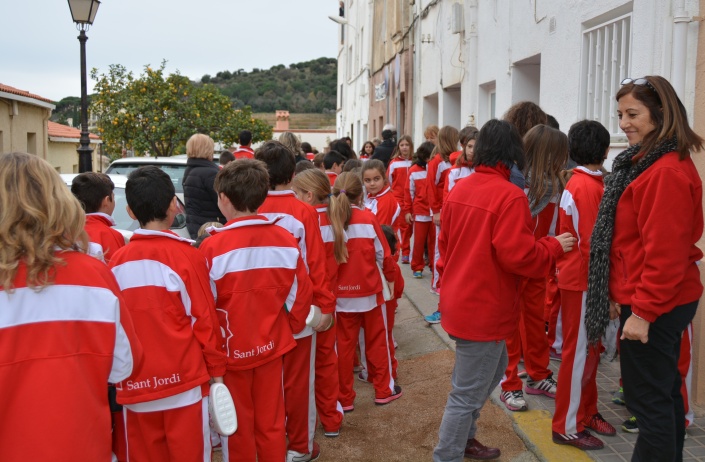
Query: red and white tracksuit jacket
pixel 327 383
pixel 576 397
pixel 384 206
pixel 496 213
pixel 416 203
pixel 332 176
pixel 456 174
pixel 104 240
pixel 438 170
pixel 360 300
pixel 398 177
pixel 301 220
pixel 263 296
pixel 244 152
pixel 530 339
pixel 59 348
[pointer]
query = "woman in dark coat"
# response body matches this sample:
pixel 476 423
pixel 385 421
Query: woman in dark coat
pixel 199 195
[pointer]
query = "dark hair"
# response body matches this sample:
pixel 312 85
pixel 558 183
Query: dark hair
pixel 351 164
pixel 374 164
pixel 362 151
pixel 343 148
pixel 423 152
pixel 318 160
pixel 546 153
pixel 200 239
pixel 280 161
pixel 467 133
pixel 552 122
pixel 347 139
pixel 588 141
pixel 667 113
pixel 499 141
pixel 91 188
pixel 245 182
pixel 306 147
pixel 302 166
pixel 149 192
pixel 524 116
pixel 225 157
pixel 245 137
pixel 391 238
pixel 332 158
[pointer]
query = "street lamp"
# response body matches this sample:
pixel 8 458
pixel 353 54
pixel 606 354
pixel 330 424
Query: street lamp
pixel 83 13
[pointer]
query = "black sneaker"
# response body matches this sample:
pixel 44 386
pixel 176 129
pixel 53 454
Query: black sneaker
pixel 629 425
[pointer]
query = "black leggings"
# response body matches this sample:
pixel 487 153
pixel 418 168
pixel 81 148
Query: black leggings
pixel 652 385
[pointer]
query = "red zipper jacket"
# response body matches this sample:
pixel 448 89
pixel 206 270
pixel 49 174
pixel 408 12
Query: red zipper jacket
pixel 487 244
pixel 384 206
pixel 329 244
pixel 103 237
pixel 416 194
pixel 438 170
pixel 577 214
pixel 164 280
pixel 653 258
pixel 397 175
pixel 263 290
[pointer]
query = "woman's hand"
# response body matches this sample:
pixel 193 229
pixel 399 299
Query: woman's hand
pixel 636 329
pixel 567 241
pixel 615 310
pixel 325 323
pixel 437 219
pixel 409 218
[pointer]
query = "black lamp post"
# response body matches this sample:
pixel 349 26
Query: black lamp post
pixel 83 13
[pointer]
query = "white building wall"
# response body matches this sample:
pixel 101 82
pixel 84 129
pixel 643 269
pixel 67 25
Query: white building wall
pixel 532 50
pixel 353 73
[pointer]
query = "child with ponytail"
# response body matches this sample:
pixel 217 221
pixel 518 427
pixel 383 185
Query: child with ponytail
pixel 417 211
pixel 463 163
pixel 359 292
pixel 313 187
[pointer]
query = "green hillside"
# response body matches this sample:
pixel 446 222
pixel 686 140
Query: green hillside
pixel 308 87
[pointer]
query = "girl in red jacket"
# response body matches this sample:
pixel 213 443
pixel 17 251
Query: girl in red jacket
pixel 359 292
pixel 546 154
pixel 438 169
pixel 313 187
pixel 417 210
pixel 463 163
pixel 397 174
pixel 66 331
pixel 380 199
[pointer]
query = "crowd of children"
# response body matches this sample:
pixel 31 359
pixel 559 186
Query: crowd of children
pixel 303 239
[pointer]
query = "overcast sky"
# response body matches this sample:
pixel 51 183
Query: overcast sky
pixel 40 50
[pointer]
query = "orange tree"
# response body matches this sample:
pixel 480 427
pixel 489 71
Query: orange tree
pixel 157 114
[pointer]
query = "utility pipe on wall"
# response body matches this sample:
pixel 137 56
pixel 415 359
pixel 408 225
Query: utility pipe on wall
pixel 680 44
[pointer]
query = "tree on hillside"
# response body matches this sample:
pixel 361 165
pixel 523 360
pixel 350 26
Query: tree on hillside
pixel 68 108
pixel 157 114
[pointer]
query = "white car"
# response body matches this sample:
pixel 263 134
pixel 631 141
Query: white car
pixel 174 166
pixel 123 222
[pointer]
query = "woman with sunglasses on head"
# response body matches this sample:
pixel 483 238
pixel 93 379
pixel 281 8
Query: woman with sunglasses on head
pixel 643 260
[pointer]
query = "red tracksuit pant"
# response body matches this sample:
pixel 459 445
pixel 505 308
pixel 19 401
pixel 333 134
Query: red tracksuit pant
pixel 435 283
pixel 530 338
pixel 551 314
pixel 576 396
pixel 424 236
pixel 403 230
pixel 299 394
pixel 390 309
pixel 376 349
pixel 259 403
pixel 327 384
pixel 174 435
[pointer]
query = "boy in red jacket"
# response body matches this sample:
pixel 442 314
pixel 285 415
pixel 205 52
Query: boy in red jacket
pixel 165 283
pixel 264 296
pixel 301 221
pixel 95 193
pixel 576 397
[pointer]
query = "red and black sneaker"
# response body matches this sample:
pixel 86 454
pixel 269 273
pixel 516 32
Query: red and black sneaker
pixel 599 425
pixel 582 440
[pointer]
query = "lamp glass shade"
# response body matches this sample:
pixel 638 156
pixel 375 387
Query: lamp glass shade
pixel 83 11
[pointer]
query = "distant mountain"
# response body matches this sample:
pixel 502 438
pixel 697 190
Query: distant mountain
pixel 308 87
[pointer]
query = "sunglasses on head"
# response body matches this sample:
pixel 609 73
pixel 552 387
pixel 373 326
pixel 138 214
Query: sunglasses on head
pixel 639 81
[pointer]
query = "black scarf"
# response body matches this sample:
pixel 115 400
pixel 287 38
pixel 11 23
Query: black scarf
pixel 624 171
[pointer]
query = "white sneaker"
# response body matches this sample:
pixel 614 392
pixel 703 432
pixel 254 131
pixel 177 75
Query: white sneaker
pixel 514 400
pixel 293 456
pixel 546 387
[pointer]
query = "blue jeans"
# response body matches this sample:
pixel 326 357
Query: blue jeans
pixel 479 366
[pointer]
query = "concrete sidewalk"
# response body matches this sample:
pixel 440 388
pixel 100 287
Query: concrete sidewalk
pixel 534 426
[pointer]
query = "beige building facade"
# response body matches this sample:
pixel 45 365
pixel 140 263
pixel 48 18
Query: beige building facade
pixel 23 121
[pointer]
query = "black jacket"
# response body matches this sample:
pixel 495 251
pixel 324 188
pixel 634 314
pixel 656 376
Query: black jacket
pixel 384 151
pixel 199 195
